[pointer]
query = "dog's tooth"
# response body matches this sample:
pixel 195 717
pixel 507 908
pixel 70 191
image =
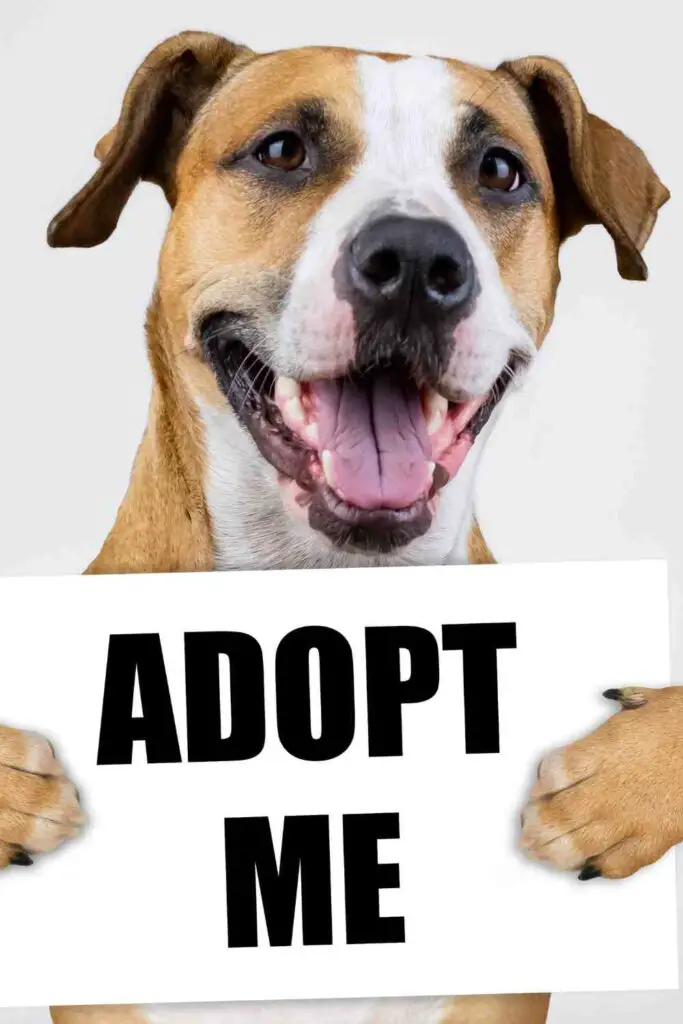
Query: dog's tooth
pixel 288 399
pixel 431 467
pixel 310 433
pixel 286 388
pixel 435 408
pixel 293 412
pixel 327 461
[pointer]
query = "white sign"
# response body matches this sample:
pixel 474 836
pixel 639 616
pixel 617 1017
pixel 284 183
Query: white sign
pixel 354 756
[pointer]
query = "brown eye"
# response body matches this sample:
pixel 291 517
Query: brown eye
pixel 501 171
pixel 284 151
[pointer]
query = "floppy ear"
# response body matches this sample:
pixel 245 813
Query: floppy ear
pixel 160 103
pixel 600 175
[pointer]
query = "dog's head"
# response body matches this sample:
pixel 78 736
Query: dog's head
pixel 362 255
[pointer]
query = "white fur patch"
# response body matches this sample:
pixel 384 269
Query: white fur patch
pixel 347 1011
pixel 411 110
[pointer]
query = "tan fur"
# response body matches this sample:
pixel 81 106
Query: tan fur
pixel 614 798
pixel 477 549
pixel 96 1015
pixel 213 95
pixel 39 807
pixel 526 1009
pixel 163 524
pixel 526 240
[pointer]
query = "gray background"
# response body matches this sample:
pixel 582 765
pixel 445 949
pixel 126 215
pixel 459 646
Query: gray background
pixel 585 463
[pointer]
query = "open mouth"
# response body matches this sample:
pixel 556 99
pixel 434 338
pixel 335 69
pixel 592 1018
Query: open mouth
pixel 365 455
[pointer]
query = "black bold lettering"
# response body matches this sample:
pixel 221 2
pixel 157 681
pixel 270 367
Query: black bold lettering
pixel 305 854
pixel 387 692
pixel 138 655
pixel 293 688
pixel 247 701
pixel 479 643
pixel 364 877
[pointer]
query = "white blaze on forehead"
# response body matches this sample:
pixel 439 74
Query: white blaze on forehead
pixel 409 117
pixel 410 113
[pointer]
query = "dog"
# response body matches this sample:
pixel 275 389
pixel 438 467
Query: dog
pixel 361 261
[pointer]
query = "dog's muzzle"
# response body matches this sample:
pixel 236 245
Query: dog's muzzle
pixel 409 281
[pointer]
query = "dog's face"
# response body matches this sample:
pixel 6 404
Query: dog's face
pixel 362 256
pixel 370 257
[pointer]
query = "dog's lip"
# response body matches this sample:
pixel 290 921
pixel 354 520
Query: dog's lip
pixel 271 408
pixel 379 531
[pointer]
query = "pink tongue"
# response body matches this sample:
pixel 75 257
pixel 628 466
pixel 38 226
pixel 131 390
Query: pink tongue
pixel 377 437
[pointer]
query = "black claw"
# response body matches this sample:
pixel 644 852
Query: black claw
pixel 612 694
pixel 589 871
pixel 22 859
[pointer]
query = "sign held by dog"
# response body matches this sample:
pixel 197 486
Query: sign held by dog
pixel 307 784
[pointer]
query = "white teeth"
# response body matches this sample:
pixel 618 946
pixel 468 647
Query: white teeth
pixel 288 400
pixel 310 434
pixel 286 388
pixel 435 409
pixel 327 462
pixel 293 411
pixel 431 467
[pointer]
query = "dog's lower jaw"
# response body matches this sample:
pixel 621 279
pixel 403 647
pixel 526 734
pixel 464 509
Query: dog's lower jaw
pixel 252 529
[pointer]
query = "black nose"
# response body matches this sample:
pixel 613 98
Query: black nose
pixel 395 261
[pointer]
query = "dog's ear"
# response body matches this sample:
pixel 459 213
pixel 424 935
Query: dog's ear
pixel 600 176
pixel 160 103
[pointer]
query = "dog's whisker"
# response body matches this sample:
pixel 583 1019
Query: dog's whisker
pixel 242 370
pixel 253 386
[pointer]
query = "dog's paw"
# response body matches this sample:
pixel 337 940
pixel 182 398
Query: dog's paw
pixel 39 806
pixel 613 802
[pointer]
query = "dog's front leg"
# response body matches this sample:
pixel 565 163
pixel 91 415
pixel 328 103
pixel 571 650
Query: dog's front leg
pixel 612 802
pixel 39 806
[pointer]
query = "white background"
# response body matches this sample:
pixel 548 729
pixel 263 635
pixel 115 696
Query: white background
pixel 584 463
pixel 145 886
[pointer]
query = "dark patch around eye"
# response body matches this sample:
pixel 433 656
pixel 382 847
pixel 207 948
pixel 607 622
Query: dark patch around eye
pixel 329 147
pixel 312 120
pixel 478 133
pixel 475 125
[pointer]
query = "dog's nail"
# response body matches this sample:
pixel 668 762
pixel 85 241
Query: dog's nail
pixel 22 860
pixel 627 696
pixel 589 871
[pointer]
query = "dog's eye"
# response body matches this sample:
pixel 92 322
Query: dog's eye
pixel 501 171
pixel 284 151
